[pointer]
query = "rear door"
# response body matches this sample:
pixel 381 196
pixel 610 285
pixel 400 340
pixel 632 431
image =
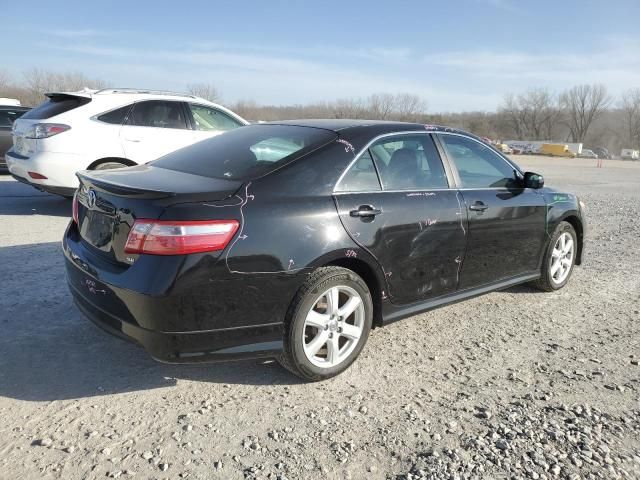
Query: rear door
pixel 395 202
pixel 155 128
pixel 208 122
pixel 506 221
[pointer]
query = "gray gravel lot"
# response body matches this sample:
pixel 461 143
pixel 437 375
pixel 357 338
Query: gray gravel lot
pixel 515 384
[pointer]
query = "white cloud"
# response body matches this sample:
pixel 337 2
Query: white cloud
pixel 449 81
pixel 79 33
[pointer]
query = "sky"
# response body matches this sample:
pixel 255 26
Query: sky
pixel 458 55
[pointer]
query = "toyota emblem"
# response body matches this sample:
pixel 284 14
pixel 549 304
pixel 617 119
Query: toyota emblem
pixel 91 198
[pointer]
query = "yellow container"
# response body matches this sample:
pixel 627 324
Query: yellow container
pixel 556 150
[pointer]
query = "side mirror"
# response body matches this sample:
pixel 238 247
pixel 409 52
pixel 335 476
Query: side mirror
pixel 533 180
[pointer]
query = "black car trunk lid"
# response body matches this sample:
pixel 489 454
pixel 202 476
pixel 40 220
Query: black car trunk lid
pixel 109 202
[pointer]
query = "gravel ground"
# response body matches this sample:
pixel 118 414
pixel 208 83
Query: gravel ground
pixel 515 384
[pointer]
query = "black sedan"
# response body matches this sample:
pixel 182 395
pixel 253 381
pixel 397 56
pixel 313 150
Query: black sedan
pixel 293 240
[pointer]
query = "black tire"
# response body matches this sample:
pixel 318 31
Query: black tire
pixel 546 282
pixel 109 166
pixel 293 357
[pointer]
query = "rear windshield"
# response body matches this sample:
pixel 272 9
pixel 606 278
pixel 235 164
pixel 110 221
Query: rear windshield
pixel 246 152
pixel 55 105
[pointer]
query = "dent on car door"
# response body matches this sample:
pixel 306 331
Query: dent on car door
pixel 506 221
pixel 396 203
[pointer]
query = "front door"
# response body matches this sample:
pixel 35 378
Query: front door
pixel 395 202
pixel 506 222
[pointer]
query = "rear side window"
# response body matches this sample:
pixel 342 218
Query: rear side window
pixel 117 116
pixel 361 176
pixel 247 152
pixel 409 162
pixel 55 105
pixel 207 119
pixel 157 113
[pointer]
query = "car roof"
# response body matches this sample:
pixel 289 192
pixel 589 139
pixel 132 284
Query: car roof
pixel 351 126
pixel 121 96
pixel 336 124
pixel 131 92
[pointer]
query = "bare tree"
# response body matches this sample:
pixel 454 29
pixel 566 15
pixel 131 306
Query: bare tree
pixel 38 82
pixel 408 107
pixel 533 114
pixel 380 105
pixel 630 106
pixel 5 81
pixel 348 108
pixel 514 116
pixel 583 104
pixel 204 90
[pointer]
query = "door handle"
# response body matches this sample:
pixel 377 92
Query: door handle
pixel 365 211
pixel 478 207
pixel 136 140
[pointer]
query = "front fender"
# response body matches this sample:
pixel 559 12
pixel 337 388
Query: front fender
pixel 561 207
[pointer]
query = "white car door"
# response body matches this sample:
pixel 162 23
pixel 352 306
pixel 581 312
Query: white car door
pixel 155 128
pixel 209 122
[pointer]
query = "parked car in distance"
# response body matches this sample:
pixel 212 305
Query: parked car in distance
pixel 109 128
pixel 9 112
pixel 10 102
pixel 218 251
pixel 504 148
pixel 629 154
pixel 602 153
pixel 586 153
pixel 556 150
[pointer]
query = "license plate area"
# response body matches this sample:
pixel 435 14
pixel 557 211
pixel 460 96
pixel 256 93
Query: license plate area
pixel 19 145
pixel 97 230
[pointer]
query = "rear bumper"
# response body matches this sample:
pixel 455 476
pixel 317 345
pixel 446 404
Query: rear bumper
pixel 199 322
pixel 59 168
pixel 65 192
pixel 188 347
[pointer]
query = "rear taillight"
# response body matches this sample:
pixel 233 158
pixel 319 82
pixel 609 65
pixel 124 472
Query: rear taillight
pixel 45 130
pixel 165 237
pixel 74 208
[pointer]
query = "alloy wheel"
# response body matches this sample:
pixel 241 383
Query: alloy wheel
pixel 562 258
pixel 333 326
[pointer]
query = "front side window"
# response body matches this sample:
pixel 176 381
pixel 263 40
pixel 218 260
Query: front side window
pixel 159 114
pixel 479 166
pixel 207 119
pixel 409 162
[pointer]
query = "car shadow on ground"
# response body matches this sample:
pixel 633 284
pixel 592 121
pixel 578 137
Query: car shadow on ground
pixel 19 199
pixel 49 351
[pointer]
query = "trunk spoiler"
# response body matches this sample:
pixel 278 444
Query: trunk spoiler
pixel 70 95
pixel 145 181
